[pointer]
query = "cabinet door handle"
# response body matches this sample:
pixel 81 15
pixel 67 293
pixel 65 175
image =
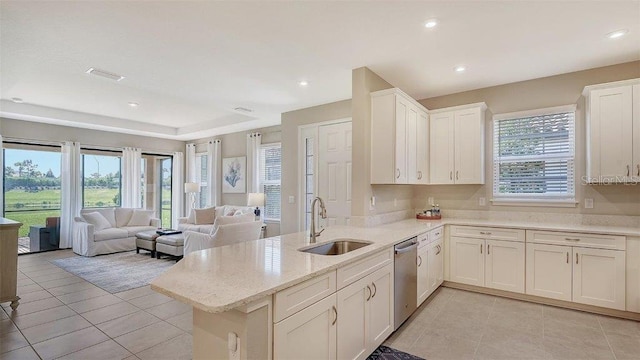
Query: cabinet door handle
pixel 457 175
pixel 450 175
pixel 419 175
pixel 638 166
pixel 567 257
pixel 335 312
pixel 439 249
pixel 397 173
pixel 419 260
pixel 369 297
pixel 375 290
pixel 480 248
pixel 488 249
pixel 483 233
pixel 572 239
pixel 628 170
pixel 577 257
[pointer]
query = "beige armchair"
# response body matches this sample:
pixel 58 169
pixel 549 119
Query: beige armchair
pixel 223 235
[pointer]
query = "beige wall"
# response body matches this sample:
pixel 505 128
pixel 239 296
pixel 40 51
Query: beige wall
pixel 290 123
pixel 533 94
pixel 234 145
pixel 47 132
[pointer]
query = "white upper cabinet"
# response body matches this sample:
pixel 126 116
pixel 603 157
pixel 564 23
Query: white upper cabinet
pixel 613 131
pixel 399 139
pixel 456 142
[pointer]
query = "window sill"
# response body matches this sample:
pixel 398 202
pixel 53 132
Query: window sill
pixel 534 202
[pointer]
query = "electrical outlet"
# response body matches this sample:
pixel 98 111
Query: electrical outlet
pixel 430 201
pixel 482 201
pixel 292 199
pixel 588 203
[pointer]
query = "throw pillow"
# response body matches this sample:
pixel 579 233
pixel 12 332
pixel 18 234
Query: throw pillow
pixel 205 216
pixel 98 220
pixel 140 217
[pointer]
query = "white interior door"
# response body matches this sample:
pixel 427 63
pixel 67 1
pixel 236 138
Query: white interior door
pixel 334 172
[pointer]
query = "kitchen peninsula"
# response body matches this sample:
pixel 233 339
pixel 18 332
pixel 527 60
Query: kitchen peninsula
pixel 248 298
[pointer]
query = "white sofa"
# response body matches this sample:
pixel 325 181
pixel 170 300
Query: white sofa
pixel 189 223
pixel 223 235
pixel 93 236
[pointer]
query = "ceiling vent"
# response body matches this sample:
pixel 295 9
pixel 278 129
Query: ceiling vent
pixel 104 74
pixel 243 109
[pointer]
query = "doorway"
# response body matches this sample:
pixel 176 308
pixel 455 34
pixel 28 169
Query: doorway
pixel 325 164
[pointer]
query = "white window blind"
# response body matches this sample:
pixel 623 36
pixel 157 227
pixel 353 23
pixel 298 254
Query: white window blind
pixel 534 155
pixel 270 175
pixel 201 177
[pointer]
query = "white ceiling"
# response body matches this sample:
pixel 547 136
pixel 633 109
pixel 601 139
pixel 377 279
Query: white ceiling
pixel 189 64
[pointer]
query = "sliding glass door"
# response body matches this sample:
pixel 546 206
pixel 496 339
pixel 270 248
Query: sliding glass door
pixel 165 193
pixel 32 194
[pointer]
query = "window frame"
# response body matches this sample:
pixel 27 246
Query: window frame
pixel 262 182
pixel 100 152
pixel 545 199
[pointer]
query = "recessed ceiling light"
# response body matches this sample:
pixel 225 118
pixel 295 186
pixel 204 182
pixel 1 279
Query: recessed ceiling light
pixel 459 69
pixel 104 74
pixel 17 100
pixel 134 104
pixel 303 83
pixel 618 33
pixel 431 23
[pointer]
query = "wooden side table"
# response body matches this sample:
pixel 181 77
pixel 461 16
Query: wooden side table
pixel 9 261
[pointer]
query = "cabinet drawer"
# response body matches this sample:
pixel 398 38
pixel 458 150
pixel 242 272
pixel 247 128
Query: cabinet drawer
pixel 289 301
pixel 352 272
pixel 488 233
pixel 612 242
pixel 437 234
pixel 423 240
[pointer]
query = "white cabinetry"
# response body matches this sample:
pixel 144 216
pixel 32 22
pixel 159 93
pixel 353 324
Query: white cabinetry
pixel 613 131
pixel 488 257
pixel 309 334
pixel 457 145
pixel 430 263
pixel 583 268
pixel 313 321
pixel 399 139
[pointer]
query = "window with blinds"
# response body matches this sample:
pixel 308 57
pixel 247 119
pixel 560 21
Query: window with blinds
pixel 270 175
pixel 534 155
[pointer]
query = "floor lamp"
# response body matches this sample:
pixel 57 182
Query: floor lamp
pixel 193 189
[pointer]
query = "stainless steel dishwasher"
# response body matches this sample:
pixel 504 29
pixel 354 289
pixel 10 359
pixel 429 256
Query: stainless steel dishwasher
pixel 405 280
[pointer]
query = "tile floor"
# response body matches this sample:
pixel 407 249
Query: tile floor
pixel 455 324
pixel 62 316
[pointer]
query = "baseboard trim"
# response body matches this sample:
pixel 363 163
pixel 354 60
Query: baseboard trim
pixel 545 301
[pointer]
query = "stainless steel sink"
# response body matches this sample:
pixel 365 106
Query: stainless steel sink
pixel 336 247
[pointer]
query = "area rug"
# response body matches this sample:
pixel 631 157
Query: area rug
pixel 387 353
pixel 115 272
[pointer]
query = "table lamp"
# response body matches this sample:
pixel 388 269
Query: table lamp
pixel 257 200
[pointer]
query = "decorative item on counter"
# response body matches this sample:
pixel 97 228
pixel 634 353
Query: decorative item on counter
pixel 433 214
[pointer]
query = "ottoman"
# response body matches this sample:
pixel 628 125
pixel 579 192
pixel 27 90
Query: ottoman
pixel 146 240
pixel 170 245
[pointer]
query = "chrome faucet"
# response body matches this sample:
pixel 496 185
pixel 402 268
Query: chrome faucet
pixel 323 214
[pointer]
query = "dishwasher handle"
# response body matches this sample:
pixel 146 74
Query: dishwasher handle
pixel 412 245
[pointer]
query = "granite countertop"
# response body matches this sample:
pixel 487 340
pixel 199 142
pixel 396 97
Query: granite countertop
pixel 4 222
pixel 220 279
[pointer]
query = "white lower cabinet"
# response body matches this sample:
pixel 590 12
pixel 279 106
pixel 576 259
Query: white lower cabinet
pixel 480 260
pixel 549 271
pixel 430 269
pixel 308 334
pixel 365 314
pixel 423 274
pixel 467 260
pixel 582 275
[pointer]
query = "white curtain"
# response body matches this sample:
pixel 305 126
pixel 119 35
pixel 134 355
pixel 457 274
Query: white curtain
pixel 190 160
pixel 253 162
pixel 71 184
pixel 177 188
pixel 131 177
pixel 214 172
